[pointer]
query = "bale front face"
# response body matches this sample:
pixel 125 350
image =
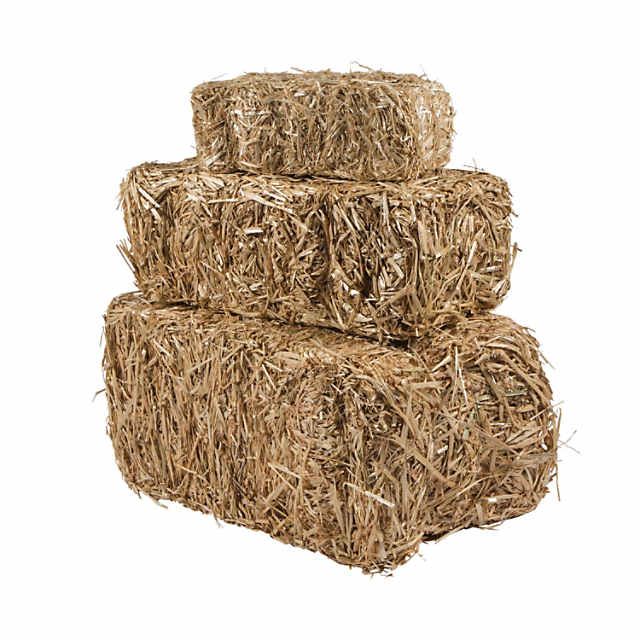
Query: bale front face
pixel 360 126
pixel 373 259
pixel 335 444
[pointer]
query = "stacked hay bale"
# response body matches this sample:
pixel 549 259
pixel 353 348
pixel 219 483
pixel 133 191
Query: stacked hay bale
pixel 312 353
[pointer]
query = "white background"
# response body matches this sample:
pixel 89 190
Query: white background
pixel 546 97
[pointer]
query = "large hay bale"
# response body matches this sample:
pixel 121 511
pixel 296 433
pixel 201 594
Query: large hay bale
pixel 361 126
pixel 389 260
pixel 332 443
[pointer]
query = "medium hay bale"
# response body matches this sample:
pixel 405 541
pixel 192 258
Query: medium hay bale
pixel 360 125
pixel 386 260
pixel 328 442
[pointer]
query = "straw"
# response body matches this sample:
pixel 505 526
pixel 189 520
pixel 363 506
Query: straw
pixel 384 260
pixel 336 444
pixel 359 125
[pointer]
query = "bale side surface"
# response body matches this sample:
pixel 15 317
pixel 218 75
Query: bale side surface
pixel 324 441
pixel 360 126
pixel 386 260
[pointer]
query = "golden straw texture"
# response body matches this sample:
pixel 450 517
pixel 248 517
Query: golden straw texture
pixel 328 442
pixel 360 125
pixel 385 260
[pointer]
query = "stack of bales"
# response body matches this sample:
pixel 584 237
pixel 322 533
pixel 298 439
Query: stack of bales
pixel 311 353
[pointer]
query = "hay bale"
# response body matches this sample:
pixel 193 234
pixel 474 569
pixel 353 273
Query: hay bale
pixel 388 260
pixel 360 126
pixel 332 443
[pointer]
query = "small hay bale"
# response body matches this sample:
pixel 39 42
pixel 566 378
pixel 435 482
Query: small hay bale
pixel 328 442
pixel 359 126
pixel 386 260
